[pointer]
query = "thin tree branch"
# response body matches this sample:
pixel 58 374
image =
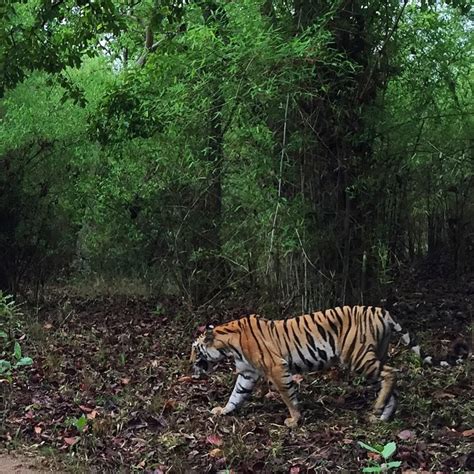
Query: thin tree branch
pixel 283 151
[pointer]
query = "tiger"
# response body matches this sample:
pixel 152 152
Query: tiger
pixel 357 337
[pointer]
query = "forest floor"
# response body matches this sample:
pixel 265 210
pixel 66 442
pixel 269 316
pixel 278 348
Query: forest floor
pixel 110 391
pixel 10 464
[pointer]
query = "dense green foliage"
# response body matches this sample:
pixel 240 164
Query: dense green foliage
pixel 302 151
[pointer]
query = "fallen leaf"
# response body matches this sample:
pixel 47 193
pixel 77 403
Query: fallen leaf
pixel 48 326
pixel 374 456
pixel 71 441
pixel 216 453
pixel 271 395
pixel 214 439
pixel 38 429
pixel 125 381
pixel 169 405
pixel 468 433
pixel 201 329
pixel 92 415
pixel 444 395
pixel 295 470
pixel 298 378
pixel 85 409
pixel 406 434
pixel 185 379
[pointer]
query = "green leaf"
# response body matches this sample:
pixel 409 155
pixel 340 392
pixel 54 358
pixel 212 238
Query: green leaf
pixel 17 351
pixel 388 450
pixel 24 361
pixel 372 469
pixel 393 464
pixel 369 448
pixel 3 334
pixel 80 423
pixel 5 366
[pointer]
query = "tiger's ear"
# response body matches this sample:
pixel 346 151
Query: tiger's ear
pixel 209 333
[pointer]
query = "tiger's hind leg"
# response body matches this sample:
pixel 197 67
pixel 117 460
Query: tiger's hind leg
pixel 283 381
pixel 386 402
pixel 375 371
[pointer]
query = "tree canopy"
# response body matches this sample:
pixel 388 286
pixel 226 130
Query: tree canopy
pixel 302 151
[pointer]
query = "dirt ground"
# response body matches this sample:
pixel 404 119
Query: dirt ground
pixel 16 465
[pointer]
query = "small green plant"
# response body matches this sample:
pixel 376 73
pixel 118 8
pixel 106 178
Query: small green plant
pixel 385 453
pixel 382 253
pixel 78 423
pixel 11 356
pixel 18 360
pixel 159 310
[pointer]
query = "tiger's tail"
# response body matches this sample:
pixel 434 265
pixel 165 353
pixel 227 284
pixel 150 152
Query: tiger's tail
pixel 458 353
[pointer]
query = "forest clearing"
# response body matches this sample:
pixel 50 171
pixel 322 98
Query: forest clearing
pixel 167 166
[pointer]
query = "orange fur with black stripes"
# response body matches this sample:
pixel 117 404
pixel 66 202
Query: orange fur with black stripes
pixel 357 337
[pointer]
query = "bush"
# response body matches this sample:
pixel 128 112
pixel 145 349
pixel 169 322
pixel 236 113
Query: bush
pixel 11 357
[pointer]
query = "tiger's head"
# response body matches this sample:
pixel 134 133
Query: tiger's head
pixel 206 350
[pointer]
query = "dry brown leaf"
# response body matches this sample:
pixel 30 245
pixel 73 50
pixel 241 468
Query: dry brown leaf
pixel 92 415
pixel 71 441
pixel 444 395
pixel 169 405
pixel 374 456
pixel 214 439
pixel 406 434
pixel 468 433
pixel 271 395
pixel 38 429
pixel 125 381
pixel 185 379
pixel 216 453
pixel 298 378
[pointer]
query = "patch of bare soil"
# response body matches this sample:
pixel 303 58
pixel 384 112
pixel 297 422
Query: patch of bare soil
pixel 16 465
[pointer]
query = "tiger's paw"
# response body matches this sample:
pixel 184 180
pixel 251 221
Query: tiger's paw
pixel 218 411
pixel 291 422
pixel 374 418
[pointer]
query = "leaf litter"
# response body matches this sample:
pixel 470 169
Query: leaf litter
pixel 112 386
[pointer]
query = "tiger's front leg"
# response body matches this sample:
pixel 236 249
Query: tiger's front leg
pixel 243 388
pixel 282 378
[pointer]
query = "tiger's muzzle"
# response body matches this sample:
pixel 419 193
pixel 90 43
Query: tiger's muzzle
pixel 200 368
